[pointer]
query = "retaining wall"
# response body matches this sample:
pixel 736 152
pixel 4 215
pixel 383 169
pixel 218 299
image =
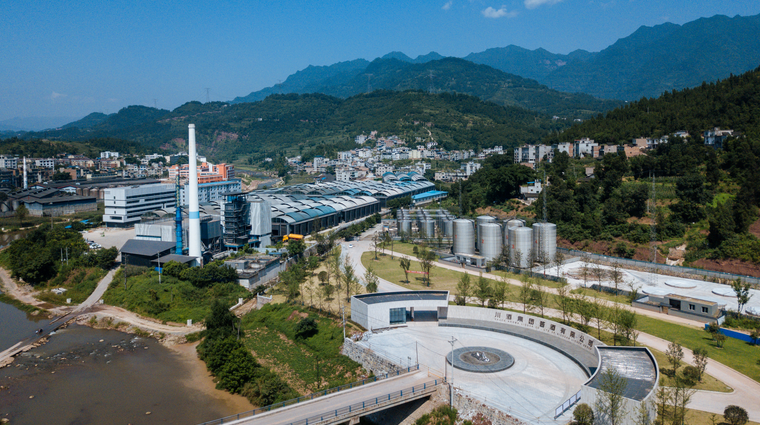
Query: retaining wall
pixel 576 345
pixel 369 359
pixel 470 407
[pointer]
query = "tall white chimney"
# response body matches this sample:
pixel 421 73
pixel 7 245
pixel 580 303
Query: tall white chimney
pixel 194 233
pixel 24 172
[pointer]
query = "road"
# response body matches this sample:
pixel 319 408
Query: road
pixel 330 403
pixel 746 391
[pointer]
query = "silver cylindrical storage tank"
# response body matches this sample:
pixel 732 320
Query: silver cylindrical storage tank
pixel 490 240
pixel 508 224
pixel 464 237
pixel 545 241
pixel 405 226
pixel 483 219
pixel 429 227
pixel 521 246
pixel 448 228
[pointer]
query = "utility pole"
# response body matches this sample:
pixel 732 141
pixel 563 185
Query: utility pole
pixel 451 382
pixel 417 352
pixel 207 94
pixel 158 258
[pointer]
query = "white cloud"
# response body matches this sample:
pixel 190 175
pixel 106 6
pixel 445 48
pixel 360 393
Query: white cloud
pixel 502 12
pixel 448 4
pixel 54 96
pixel 532 4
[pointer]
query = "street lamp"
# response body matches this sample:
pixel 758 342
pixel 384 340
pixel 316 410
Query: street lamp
pixel 451 382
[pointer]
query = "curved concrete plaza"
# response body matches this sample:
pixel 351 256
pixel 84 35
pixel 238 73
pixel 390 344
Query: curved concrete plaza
pixel 539 381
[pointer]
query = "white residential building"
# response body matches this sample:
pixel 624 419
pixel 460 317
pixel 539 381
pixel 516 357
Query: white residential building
pixel 108 154
pixel 715 137
pixel 470 168
pixel 9 162
pixel 586 147
pixel 44 163
pixel 125 205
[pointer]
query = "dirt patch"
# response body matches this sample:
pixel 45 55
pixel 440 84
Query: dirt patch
pixel 297 313
pixel 729 266
pixel 755 228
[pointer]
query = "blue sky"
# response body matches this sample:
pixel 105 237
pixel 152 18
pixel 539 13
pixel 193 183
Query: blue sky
pixel 73 58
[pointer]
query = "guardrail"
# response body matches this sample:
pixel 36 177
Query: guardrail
pixel 308 397
pixel 704 274
pixel 567 405
pixel 371 404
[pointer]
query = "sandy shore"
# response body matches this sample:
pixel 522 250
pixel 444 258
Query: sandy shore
pixel 201 380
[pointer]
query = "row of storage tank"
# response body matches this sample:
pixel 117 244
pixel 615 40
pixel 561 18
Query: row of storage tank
pixel 427 222
pixel 489 236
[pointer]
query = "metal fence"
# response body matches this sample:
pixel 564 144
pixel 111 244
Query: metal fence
pixel 668 269
pixel 564 407
pixel 372 404
pixel 309 397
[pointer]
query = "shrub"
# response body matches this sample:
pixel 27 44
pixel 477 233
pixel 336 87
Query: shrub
pixel 691 373
pixel 306 328
pixel 583 414
pixel 735 415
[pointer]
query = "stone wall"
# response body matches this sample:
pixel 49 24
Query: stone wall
pixel 469 407
pixel 369 359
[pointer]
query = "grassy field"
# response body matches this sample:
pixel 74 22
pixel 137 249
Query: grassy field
pixel 307 365
pixel 173 300
pixel 736 354
pixel 602 295
pixel 79 284
pixel 698 417
pixel 708 383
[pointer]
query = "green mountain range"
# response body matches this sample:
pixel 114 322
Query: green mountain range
pixel 398 72
pixel 297 123
pixel 647 63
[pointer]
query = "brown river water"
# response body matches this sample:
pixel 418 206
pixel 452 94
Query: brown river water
pixel 90 376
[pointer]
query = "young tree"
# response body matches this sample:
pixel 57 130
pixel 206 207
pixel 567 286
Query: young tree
pixel 601 314
pixel 564 302
pixel 323 276
pixel 405 265
pixel 559 261
pixel 610 403
pixel 700 361
pixel 742 293
pixel 483 290
pixel 517 259
pixel 371 280
pixel 539 297
pixel 585 270
pixel 501 291
pixel 348 278
pixel 674 355
pixel 464 289
pixel 663 398
pixel 644 416
pixel 681 394
pixel 526 293
pixel 375 244
pixel 426 262
pixel 584 309
pixel 617 277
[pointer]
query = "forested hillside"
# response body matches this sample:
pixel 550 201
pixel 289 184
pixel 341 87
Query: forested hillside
pixel 293 124
pixel 445 75
pixel 732 103
pixel 706 199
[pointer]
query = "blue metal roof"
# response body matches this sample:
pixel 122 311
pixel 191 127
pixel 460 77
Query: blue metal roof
pixel 429 194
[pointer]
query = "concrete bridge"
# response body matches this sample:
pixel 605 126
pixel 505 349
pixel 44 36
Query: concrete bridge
pixel 345 406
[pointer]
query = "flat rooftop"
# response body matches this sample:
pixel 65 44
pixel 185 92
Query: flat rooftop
pixel 387 297
pixel 635 364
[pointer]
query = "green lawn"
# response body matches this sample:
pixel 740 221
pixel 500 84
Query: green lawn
pixel 708 383
pixel 735 354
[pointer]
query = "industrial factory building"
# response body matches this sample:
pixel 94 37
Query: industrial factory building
pixel 125 205
pixel 383 191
